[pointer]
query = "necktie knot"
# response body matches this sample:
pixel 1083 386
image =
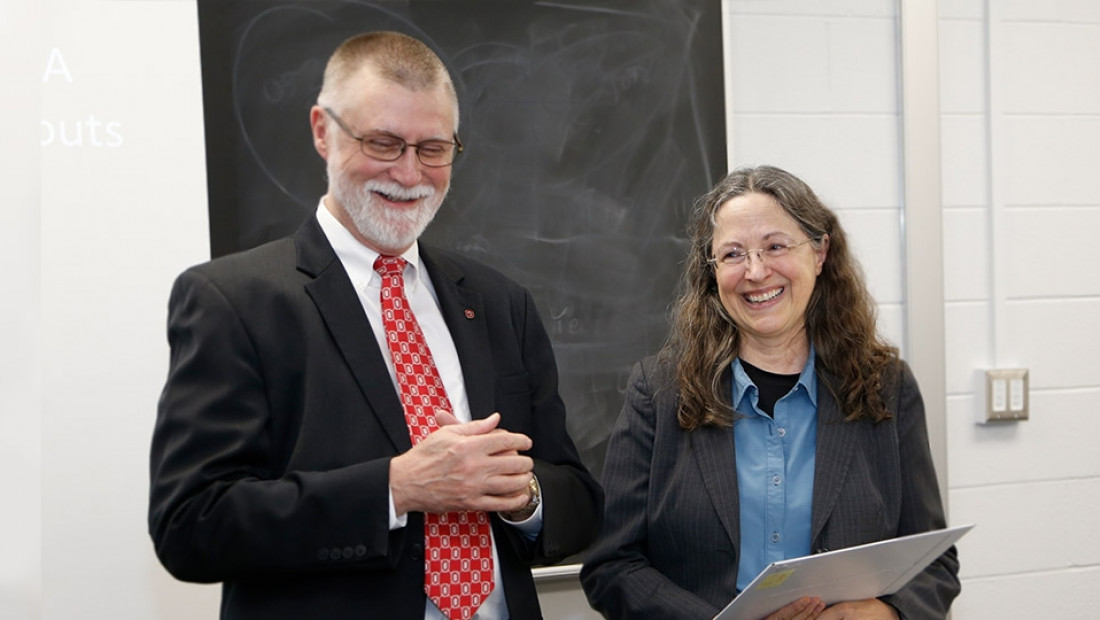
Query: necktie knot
pixel 389 265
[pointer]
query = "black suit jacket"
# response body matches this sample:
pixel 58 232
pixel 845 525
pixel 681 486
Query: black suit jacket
pixel 671 538
pixel 275 428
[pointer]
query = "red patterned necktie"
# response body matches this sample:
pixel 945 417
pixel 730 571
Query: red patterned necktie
pixel 458 557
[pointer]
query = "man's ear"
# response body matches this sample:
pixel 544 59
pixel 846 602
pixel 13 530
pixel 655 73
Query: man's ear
pixel 319 125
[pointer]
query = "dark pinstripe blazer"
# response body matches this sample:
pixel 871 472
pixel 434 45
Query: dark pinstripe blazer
pixel 669 545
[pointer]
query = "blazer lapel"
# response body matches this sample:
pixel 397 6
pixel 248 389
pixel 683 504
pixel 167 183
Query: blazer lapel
pixel 464 313
pixel 337 302
pixel 836 443
pixel 717 460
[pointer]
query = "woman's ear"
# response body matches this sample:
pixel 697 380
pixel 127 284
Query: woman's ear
pixel 821 251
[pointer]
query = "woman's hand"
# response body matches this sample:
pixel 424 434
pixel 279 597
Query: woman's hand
pixel 805 608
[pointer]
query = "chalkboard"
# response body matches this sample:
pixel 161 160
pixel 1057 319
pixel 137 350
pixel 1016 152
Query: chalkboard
pixel 590 126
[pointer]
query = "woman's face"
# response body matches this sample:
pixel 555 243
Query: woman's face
pixel 766 295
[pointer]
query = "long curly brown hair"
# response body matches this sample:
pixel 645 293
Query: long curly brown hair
pixel 840 318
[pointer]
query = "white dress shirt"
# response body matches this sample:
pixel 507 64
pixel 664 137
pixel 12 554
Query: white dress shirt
pixel 358 261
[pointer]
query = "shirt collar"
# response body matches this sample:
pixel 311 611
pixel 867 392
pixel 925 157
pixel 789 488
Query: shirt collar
pixel 807 379
pixel 358 259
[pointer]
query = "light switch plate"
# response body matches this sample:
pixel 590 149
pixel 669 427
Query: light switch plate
pixel 1006 396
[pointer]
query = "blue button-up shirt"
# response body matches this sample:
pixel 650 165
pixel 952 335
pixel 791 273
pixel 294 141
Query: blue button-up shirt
pixel 775 471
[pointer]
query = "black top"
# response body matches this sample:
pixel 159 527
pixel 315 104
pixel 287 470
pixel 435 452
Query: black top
pixel 771 386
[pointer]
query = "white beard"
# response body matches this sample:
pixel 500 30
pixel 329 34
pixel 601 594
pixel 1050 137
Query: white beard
pixel 382 227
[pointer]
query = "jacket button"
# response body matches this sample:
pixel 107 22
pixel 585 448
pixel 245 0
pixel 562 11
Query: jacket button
pixel 322 554
pixel 360 551
pixel 349 553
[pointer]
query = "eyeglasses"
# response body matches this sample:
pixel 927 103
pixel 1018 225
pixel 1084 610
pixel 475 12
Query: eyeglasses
pixel 388 147
pixel 738 256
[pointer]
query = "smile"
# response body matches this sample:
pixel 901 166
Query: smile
pixel 396 197
pixel 395 193
pixel 761 298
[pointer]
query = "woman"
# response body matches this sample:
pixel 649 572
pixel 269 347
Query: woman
pixel 775 423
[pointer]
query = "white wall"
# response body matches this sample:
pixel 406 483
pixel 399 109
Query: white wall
pixel 124 210
pixel 20 376
pixel 814 89
pixel 1020 86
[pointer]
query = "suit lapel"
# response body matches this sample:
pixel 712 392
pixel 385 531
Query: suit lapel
pixel 337 302
pixel 836 443
pixel 464 313
pixel 717 460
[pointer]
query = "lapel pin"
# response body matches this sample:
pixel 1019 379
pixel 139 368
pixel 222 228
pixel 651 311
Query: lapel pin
pixel 469 313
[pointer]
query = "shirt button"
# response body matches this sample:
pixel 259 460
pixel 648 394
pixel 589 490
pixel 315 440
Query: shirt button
pixel 782 432
pixel 776 537
pixel 776 480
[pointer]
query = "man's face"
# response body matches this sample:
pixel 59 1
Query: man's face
pixel 385 204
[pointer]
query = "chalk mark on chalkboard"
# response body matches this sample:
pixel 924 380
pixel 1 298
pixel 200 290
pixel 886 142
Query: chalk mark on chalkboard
pixel 274 178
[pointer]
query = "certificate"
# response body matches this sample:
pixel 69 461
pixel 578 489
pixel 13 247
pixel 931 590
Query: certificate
pixel 852 574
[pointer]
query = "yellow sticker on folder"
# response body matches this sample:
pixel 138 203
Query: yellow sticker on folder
pixel 772 581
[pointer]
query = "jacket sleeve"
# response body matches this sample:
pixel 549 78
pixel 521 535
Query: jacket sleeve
pixel 618 577
pixel 930 593
pixel 221 504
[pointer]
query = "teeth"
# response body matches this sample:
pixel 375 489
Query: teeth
pixel 397 197
pixel 396 193
pixel 765 297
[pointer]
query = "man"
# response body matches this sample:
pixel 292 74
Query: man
pixel 296 455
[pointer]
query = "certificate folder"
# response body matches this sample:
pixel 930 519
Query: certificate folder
pixel 852 574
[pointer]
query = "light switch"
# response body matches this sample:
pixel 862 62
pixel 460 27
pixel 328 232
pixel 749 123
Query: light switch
pixel 1016 394
pixel 999 396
